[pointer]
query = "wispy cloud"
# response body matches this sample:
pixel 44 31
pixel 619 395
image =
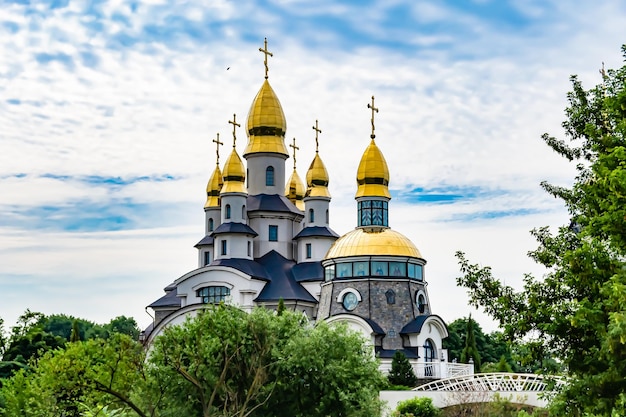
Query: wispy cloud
pixel 107 109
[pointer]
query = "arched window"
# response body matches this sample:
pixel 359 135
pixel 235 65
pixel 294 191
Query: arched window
pixel 429 356
pixel 421 303
pixel 309 251
pixel 210 224
pixel 311 216
pixel 249 248
pixel 213 295
pixel 269 176
pixel 243 213
pixel 224 247
pixel 227 214
pixel 391 296
pixel 327 217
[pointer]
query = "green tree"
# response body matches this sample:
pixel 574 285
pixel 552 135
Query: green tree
pixel 401 372
pixel 85 374
pixel 470 350
pixel 576 312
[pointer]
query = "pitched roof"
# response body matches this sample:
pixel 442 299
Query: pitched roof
pixel 308 271
pixel 207 240
pixel 271 202
pixel 322 231
pixel 232 227
pixel 282 284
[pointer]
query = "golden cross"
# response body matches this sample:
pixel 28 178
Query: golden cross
pixel 266 52
pixel 294 152
pixel 217 147
pixel 317 130
pixel 235 126
pixel 374 109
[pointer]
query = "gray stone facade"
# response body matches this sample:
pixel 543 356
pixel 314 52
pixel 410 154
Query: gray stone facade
pixel 389 302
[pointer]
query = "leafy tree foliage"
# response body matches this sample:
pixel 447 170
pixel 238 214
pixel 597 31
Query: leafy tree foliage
pixel 577 313
pixel 401 372
pixel 491 347
pixel 224 362
pixel 35 333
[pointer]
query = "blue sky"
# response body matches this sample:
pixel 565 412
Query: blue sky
pixel 108 108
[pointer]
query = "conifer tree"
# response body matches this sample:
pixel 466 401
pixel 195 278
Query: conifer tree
pixel 470 351
pixel 401 371
pixel 75 336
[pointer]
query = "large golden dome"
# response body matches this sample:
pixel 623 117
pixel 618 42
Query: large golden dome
pixel 317 179
pixel 373 174
pixel 294 190
pixel 213 188
pixel 361 242
pixel 266 124
pixel 234 174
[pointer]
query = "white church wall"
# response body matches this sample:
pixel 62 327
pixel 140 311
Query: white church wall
pixel 257 164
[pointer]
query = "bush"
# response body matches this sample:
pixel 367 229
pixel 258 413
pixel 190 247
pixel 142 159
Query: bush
pixel 416 407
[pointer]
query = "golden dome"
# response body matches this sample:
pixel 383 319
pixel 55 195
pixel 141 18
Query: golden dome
pixel 266 124
pixel 360 242
pixel 294 190
pixel 373 174
pixel 213 188
pixel 317 179
pixel 234 174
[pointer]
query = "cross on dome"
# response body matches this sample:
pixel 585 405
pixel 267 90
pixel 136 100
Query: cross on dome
pixel 374 109
pixel 235 126
pixel 217 148
pixel 317 130
pixel 266 53
pixel 294 147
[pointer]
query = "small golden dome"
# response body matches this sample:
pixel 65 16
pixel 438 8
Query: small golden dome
pixel 234 174
pixel 373 174
pixel 317 179
pixel 294 190
pixel 213 188
pixel 266 124
pixel 361 242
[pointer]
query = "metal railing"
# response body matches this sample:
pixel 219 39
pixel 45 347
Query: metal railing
pixel 500 381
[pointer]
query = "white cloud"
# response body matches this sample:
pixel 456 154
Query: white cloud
pixel 463 106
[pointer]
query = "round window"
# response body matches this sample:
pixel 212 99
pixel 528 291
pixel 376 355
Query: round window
pixel 350 301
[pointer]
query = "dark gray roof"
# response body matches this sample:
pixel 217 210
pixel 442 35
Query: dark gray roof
pixel 316 231
pixel 168 300
pixel 207 240
pixel 247 266
pixel 415 325
pixel 282 284
pixel 271 202
pixel 308 271
pixel 375 327
pixel 232 227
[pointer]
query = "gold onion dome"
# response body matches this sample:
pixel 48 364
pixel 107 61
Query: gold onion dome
pixel 213 188
pixel 234 174
pixel 373 174
pixel 294 190
pixel 317 179
pixel 266 124
pixel 372 242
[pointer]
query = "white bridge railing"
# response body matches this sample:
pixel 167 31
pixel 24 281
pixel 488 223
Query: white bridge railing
pixel 503 382
pixel 438 370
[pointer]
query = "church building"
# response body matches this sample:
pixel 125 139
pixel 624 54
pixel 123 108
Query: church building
pixel 268 239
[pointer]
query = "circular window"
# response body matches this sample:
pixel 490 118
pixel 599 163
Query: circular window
pixel 350 301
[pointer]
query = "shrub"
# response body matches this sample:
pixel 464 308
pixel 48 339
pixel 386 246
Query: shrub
pixel 416 407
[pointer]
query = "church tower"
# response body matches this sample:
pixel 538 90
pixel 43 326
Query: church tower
pixel 233 238
pixel 271 214
pixel 212 211
pixel 374 276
